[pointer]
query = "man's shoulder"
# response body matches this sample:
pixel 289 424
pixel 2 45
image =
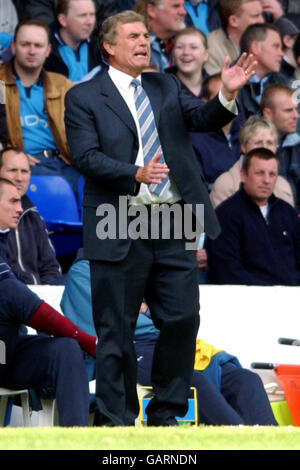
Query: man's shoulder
pixel 6 73
pixel 283 206
pixel 98 79
pixel 58 79
pixel 30 215
pixel 165 83
pixel 216 34
pixel 160 77
pixel 232 205
pixel 218 38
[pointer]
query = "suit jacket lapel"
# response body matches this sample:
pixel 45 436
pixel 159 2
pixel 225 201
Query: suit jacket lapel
pixel 115 101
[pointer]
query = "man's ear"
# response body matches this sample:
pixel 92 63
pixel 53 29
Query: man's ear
pixel 49 50
pixel 267 113
pixel 61 18
pixel 13 47
pixel 151 10
pixel 243 175
pixel 108 48
pixel 254 48
pixel 232 21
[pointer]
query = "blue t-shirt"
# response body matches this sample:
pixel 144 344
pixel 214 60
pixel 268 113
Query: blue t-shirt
pixel 34 121
pixel 76 61
pixel 198 15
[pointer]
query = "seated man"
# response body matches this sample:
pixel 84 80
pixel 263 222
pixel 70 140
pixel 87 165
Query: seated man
pixel 263 41
pixel 38 361
pixel 74 51
pixel 227 393
pixel 278 104
pixel 29 251
pixel 260 239
pixel 34 104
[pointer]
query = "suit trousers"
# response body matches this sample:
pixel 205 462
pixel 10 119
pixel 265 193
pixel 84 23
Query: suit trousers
pixel 165 274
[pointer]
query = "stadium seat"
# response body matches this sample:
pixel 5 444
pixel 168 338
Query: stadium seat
pixel 56 203
pixel 5 406
pixel 145 394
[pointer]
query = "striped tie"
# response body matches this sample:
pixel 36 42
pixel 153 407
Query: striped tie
pixel 149 134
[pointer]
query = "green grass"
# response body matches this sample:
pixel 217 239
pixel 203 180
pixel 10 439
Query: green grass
pixel 181 438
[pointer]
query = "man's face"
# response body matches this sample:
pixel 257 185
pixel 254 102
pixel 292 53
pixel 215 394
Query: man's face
pixel 283 112
pixel 79 22
pixel 15 167
pixel 167 18
pixel 31 47
pixel 131 53
pixel 249 13
pixel 10 207
pixel 268 53
pixel 260 179
pixel 189 53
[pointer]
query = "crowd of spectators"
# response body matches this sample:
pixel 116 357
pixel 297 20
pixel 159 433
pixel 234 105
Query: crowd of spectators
pixel 48 46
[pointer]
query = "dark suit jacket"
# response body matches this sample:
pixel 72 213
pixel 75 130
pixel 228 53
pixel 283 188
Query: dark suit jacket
pixel 103 139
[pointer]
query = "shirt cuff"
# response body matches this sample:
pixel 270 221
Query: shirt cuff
pixel 229 105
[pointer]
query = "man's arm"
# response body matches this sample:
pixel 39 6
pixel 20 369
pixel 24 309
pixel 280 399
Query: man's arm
pixel 217 112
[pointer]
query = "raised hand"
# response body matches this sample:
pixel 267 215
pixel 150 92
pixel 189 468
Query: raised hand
pixel 235 77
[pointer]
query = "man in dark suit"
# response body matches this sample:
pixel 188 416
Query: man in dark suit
pixel 107 143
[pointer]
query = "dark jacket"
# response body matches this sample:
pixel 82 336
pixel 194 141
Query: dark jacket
pixel 3 127
pixel 17 304
pixel 288 152
pixel 215 153
pixel 252 250
pixel 247 95
pixel 104 143
pixel 55 63
pixel 29 250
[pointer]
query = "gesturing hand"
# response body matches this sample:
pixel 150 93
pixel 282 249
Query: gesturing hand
pixel 153 172
pixel 235 77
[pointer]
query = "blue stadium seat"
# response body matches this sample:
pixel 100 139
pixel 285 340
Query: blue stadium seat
pixel 145 393
pixel 56 203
